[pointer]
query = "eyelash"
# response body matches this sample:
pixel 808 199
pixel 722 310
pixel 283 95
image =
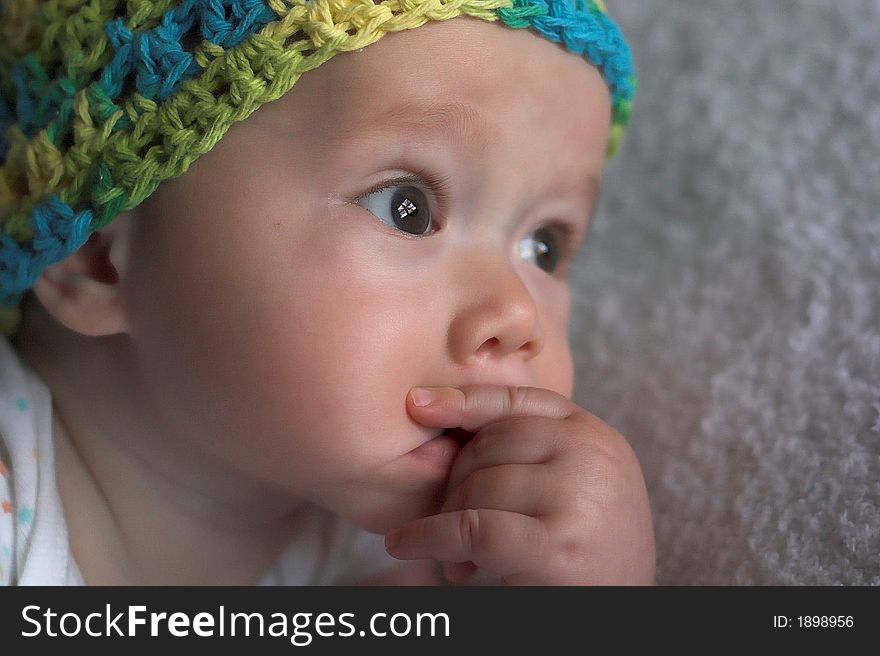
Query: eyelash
pixel 440 188
pixel 438 185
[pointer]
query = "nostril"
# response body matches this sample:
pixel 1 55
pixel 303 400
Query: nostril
pixel 489 345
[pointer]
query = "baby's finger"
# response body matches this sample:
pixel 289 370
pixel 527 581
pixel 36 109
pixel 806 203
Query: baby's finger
pixel 525 489
pixel 474 406
pixel 522 440
pixel 499 541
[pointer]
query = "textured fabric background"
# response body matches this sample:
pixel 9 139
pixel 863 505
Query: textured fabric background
pixel 726 312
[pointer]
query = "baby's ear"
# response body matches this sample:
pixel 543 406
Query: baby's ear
pixel 83 292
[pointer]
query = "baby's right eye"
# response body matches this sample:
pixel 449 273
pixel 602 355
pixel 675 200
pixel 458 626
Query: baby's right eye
pixel 403 207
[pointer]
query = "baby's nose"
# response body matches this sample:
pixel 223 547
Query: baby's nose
pixel 496 317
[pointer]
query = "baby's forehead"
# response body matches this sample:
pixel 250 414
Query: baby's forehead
pixel 413 82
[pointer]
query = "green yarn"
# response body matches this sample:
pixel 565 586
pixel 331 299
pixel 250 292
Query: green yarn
pixel 110 97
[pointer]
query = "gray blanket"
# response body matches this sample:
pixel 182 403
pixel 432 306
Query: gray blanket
pixel 726 310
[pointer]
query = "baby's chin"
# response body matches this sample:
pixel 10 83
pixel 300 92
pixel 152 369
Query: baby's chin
pixel 383 515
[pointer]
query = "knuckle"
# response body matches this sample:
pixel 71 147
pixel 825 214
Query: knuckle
pixel 612 449
pixel 480 442
pixel 468 528
pixel 604 443
pixel 570 543
pixel 514 399
pixel 510 399
pixel 566 439
pixel 571 548
pixel 568 444
pixel 580 416
pixel 610 484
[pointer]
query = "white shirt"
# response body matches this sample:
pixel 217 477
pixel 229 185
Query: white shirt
pixel 34 545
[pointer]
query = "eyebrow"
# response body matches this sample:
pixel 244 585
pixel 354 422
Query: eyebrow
pixel 453 119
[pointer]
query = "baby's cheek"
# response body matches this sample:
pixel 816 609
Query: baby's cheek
pixel 564 384
pixel 555 366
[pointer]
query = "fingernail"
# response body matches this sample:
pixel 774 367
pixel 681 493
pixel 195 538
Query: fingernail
pixel 423 396
pixel 392 539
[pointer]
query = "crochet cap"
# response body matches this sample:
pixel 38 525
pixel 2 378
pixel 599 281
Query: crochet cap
pixel 101 100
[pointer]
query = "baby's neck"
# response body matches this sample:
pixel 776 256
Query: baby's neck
pixel 138 510
pixel 126 529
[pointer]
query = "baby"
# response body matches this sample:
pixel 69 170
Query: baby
pixel 220 379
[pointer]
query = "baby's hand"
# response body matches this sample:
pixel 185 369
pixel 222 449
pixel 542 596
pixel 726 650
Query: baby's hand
pixel 544 494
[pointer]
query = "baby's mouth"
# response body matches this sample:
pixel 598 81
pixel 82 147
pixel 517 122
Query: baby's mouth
pixel 459 434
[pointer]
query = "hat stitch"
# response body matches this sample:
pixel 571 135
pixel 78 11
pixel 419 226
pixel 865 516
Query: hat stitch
pixel 102 100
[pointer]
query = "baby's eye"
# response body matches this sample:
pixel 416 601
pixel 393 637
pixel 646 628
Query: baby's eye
pixel 403 207
pixel 542 248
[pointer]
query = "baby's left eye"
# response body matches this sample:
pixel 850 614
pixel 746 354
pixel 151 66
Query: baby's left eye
pixel 401 207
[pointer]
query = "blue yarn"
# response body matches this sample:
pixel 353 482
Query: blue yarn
pixel 593 35
pixel 58 232
pixel 161 65
pixel 251 16
pixel 24 102
pixel 155 56
pixel 158 56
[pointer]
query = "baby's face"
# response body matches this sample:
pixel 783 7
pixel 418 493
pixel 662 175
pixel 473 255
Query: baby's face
pixel 285 312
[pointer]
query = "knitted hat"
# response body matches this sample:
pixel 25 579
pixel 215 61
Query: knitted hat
pixel 101 100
